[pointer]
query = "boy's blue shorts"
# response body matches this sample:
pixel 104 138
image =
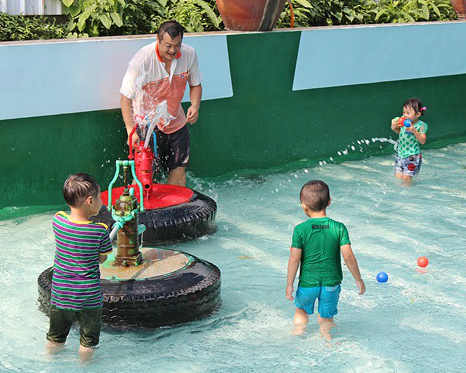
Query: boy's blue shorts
pixel 328 300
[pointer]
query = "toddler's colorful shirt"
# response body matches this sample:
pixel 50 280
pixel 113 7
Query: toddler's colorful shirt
pixel 76 273
pixel 407 143
pixel 320 240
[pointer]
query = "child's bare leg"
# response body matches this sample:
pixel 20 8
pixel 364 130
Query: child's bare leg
pixel 54 347
pixel 300 321
pixel 326 326
pixel 406 178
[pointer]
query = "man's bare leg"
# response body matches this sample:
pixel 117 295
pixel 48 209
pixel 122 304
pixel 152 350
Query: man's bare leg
pixel 177 176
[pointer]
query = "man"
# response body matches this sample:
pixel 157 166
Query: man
pixel 158 72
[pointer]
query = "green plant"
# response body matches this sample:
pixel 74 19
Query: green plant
pixel 397 11
pixel 339 12
pixel 17 28
pixel 88 16
pixel 193 15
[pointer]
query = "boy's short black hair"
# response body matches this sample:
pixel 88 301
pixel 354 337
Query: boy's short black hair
pixel 315 194
pixel 173 29
pixel 415 104
pixel 78 187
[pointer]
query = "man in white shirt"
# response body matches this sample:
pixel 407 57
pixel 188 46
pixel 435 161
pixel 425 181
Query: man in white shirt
pixel 159 72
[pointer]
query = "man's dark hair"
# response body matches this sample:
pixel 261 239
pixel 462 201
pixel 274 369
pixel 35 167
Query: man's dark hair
pixel 173 29
pixel 315 194
pixel 78 187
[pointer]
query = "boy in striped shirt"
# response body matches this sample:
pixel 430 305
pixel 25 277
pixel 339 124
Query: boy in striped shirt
pixel 80 246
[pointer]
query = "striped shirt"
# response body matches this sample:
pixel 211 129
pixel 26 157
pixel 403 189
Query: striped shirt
pixel 76 273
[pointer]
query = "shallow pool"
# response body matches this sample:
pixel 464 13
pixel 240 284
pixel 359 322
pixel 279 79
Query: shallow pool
pixel 414 323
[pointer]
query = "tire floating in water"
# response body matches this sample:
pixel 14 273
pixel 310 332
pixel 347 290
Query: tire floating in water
pixel 168 288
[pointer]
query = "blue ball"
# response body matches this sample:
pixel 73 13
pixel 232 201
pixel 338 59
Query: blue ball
pixel 382 277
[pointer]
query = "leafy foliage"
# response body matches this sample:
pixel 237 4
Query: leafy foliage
pixel 17 28
pixel 193 15
pixel 339 12
pixel 90 17
pixel 133 17
pixel 129 17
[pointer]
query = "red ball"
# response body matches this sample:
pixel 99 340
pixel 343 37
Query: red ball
pixel 422 261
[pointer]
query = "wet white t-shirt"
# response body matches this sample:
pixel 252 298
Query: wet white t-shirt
pixel 147 83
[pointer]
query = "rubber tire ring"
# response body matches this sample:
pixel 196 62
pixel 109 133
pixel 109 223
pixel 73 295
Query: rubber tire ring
pixel 175 223
pixel 188 294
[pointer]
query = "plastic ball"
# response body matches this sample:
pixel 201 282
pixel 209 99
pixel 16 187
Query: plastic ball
pixel 382 277
pixel 422 261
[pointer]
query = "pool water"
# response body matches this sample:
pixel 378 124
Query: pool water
pixel 414 323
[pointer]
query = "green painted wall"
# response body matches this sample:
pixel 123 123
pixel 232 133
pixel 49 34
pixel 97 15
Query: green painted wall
pixel 264 125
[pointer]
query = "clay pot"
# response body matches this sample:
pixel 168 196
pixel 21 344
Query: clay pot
pixel 460 7
pixel 250 15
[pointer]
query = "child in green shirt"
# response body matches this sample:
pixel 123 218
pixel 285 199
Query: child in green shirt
pixel 316 247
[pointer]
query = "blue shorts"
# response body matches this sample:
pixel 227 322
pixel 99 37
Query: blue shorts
pixel 408 166
pixel 328 300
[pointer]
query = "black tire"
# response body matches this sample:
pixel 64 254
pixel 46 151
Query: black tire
pixel 186 221
pixel 184 295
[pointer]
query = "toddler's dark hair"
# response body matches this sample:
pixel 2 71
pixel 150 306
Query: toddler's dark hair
pixel 173 29
pixel 416 105
pixel 78 187
pixel 315 194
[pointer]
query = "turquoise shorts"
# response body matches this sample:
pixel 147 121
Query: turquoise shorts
pixel 328 300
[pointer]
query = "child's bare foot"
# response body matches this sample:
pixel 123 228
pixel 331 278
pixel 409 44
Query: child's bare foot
pixel 325 329
pixel 85 354
pixel 54 347
pixel 299 329
pixel 326 325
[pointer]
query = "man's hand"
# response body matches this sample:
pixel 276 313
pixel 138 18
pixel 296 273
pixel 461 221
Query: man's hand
pixel 134 141
pixel 192 115
pixel 289 292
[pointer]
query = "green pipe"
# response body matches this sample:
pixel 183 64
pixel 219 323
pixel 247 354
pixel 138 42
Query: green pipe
pixel 133 172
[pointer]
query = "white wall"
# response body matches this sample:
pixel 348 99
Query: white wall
pixel 31 7
pixel 333 57
pixel 73 76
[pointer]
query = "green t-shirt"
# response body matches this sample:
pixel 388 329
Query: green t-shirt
pixel 407 143
pixel 320 240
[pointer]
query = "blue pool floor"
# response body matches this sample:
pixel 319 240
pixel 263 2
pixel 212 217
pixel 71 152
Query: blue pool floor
pixel 414 323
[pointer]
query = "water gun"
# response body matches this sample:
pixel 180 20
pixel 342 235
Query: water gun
pixel 402 122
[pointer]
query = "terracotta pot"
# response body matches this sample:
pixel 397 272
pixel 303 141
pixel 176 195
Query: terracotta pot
pixel 250 15
pixel 459 6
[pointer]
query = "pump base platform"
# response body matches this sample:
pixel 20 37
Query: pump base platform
pixel 168 287
pixel 182 214
pixel 160 195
